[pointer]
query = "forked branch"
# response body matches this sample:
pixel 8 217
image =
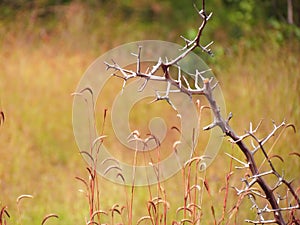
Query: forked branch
pixel 206 89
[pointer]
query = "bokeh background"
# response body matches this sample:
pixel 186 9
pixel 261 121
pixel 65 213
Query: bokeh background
pixel 46 45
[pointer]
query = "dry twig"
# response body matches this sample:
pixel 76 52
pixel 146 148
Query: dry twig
pixel 206 89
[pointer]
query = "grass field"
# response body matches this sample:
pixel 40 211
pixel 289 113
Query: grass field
pixel 41 65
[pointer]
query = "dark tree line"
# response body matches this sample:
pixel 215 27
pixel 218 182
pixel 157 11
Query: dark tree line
pixel 283 10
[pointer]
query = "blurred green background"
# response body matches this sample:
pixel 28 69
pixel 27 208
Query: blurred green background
pixel 46 45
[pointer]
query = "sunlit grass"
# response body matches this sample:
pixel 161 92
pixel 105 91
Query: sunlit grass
pixel 38 73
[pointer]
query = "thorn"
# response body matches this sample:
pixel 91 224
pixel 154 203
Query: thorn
pixel 142 87
pixel 186 82
pixel 215 85
pixel 246 165
pixel 201 12
pixel 210 126
pixel 209 16
pixel 196 7
pixel 229 117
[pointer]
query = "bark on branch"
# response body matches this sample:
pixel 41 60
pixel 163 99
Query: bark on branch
pixel 207 89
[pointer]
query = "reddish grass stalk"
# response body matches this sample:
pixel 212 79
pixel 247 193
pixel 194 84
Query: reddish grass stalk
pixel 226 189
pixel 3 215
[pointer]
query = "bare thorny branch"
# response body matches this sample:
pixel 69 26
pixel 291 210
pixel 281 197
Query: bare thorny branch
pixel 208 85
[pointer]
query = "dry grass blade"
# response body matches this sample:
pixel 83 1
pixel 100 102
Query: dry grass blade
pixel 121 176
pixel 81 94
pixel 47 217
pixel 112 168
pixel 176 128
pixel 184 209
pixel 91 173
pixel 292 126
pixel 194 206
pixel 164 202
pixel 295 153
pixel 97 140
pixel 206 186
pixel 151 204
pixel 3 212
pixel 276 156
pixel 87 89
pixel 23 197
pixel 183 221
pixel 83 181
pixel 155 200
pixel 114 208
pixel 153 137
pixel 110 159
pixel 98 212
pixel 88 154
pixel 195 186
pixel 214 214
pixel 196 159
pixel 143 218
pixel 92 222
pixel 175 145
pixel 2 117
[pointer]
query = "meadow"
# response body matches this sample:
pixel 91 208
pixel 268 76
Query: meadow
pixel 41 64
